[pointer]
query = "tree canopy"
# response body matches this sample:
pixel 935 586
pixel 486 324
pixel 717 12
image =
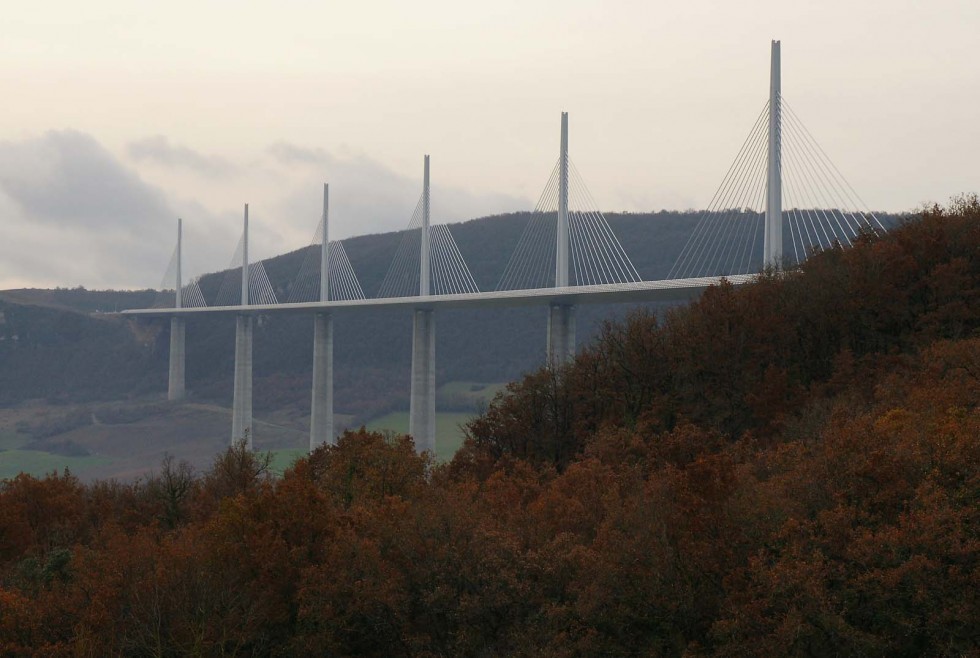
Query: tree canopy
pixel 784 468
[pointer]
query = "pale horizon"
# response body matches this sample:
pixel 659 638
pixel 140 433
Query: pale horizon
pixel 119 119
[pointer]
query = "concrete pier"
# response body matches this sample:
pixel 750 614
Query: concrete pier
pixel 321 410
pixel 422 407
pixel 241 413
pixel 562 264
pixel 422 404
pixel 773 240
pixel 241 408
pixel 561 317
pixel 175 387
pixel 561 335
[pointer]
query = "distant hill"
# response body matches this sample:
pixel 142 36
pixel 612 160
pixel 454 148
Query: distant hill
pixel 62 355
pixel 50 350
pixel 785 468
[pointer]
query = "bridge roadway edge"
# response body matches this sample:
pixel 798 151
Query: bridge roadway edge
pixel 561 340
pixel 644 291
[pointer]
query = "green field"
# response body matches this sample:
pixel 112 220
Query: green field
pixel 195 432
pixel 14 462
pixel 449 435
pixel 473 392
pixel 283 459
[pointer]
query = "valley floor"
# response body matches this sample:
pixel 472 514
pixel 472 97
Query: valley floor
pixel 128 440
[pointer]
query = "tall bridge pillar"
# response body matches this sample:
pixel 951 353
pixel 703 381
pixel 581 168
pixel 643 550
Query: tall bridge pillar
pixel 321 409
pixel 773 241
pixel 241 413
pixel 561 317
pixel 175 382
pixel 175 385
pixel 422 405
pixel 561 334
pixel 561 246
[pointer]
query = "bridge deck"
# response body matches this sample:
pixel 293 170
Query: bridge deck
pixel 643 291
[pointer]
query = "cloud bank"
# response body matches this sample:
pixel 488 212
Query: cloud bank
pixel 159 150
pixel 76 214
pixel 73 214
pixel 372 198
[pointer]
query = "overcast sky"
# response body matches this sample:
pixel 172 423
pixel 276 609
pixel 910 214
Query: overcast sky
pixel 118 116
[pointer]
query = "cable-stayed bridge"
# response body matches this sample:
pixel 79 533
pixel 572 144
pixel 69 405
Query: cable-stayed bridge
pixel 773 208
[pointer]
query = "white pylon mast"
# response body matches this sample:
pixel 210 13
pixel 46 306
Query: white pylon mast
pixel 245 260
pixel 561 256
pixel 773 243
pixel 424 256
pixel 325 248
pixel 177 290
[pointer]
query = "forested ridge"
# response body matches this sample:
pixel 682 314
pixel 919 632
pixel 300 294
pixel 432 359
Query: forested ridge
pixel 373 348
pixel 373 353
pixel 785 468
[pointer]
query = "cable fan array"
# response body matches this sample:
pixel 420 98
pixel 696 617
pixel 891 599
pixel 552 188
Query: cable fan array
pixel 341 280
pixel 259 288
pixel 190 293
pixel 820 208
pixel 449 274
pixel 828 189
pixel 597 257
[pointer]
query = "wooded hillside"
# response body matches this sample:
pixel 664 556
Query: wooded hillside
pixel 787 468
pixel 373 348
pixel 373 353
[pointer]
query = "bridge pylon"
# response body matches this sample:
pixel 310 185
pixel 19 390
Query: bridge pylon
pixel 422 402
pixel 176 382
pixel 321 409
pixel 561 317
pixel 773 241
pixel 241 411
